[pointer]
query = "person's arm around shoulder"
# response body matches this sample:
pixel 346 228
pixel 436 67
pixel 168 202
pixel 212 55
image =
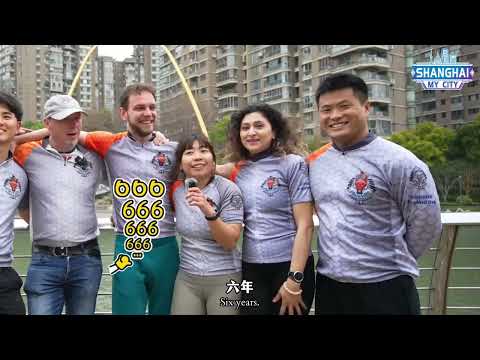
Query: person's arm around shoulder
pixel 225 170
pixel 31 136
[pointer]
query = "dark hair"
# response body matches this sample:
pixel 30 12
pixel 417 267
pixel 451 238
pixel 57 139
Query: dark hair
pixel 343 81
pixel 286 141
pixel 185 144
pixel 12 104
pixel 136 89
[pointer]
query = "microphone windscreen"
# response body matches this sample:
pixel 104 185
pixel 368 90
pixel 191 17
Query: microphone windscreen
pixel 190 182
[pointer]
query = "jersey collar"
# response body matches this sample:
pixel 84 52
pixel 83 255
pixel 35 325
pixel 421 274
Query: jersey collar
pixel 370 137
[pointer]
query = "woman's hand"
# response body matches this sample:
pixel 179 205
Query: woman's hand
pixel 290 301
pixel 195 197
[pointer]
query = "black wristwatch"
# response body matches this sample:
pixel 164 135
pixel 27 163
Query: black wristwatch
pixel 212 218
pixel 296 276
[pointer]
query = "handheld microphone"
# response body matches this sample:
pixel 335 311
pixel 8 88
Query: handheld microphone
pixel 190 182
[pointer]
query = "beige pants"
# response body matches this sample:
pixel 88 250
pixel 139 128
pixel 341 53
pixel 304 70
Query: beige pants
pixel 205 295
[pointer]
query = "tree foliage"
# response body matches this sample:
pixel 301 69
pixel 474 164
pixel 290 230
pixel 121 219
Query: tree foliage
pixel 466 144
pixel 218 134
pixel 428 142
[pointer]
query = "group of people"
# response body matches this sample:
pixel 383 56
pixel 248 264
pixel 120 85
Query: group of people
pixel 376 202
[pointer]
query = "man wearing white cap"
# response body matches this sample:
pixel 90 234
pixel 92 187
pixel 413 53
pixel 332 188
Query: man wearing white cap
pixel 66 267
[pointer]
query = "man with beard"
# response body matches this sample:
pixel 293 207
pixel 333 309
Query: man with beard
pixel 130 156
pixel 66 266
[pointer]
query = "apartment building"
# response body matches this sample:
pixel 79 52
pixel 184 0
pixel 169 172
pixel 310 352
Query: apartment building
pixel 36 72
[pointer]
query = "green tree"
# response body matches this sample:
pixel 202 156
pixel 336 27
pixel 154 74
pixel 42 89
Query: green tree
pixel 466 144
pixel 218 135
pixel 428 142
pixel 315 143
pixel 33 125
pixel 448 177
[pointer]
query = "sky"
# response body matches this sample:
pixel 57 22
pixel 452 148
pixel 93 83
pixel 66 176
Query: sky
pixel 118 52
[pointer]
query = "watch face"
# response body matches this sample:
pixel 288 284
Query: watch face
pixel 298 276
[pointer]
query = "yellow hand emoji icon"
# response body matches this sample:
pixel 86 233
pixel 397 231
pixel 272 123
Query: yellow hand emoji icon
pixel 121 263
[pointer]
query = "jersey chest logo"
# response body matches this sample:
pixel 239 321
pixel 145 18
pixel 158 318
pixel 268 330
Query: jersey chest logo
pixel 270 186
pixel 83 166
pixel 12 187
pixel 361 188
pixel 161 162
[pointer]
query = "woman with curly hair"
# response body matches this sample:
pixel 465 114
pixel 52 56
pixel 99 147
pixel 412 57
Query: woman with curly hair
pixel 270 170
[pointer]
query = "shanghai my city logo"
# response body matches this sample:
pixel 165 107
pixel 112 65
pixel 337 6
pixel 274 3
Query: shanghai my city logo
pixel 361 188
pixel 442 72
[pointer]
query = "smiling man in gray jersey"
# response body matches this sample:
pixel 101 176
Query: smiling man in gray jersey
pixel 377 205
pixel 13 185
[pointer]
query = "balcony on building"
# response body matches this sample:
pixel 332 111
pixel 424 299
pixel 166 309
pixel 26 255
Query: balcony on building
pixel 337 50
pixel 380 127
pixel 360 60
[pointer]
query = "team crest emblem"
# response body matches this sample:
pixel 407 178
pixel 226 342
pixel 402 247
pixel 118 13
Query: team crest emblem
pixel 83 166
pixel 361 188
pixel 161 162
pixel 270 186
pixel 418 178
pixel 236 202
pixel 13 187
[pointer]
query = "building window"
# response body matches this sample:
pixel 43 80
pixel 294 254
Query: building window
pixel 473 111
pixel 456 100
pixel 256 85
pixel 307 102
pixel 307 69
pixel 429 106
pixel 444 115
pixel 457 115
pixel 443 101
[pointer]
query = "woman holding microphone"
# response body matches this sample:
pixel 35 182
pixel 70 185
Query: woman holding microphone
pixel 209 216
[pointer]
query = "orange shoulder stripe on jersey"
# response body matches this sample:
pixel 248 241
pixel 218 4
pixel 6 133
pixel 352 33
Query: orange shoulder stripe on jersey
pixel 173 188
pixel 236 169
pixel 102 141
pixel 23 151
pixel 319 152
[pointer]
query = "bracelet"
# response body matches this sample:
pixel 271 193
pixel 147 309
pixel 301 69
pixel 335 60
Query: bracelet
pixel 290 291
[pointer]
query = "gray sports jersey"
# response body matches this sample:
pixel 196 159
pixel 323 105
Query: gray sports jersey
pixel 13 182
pixel 378 210
pixel 270 187
pixel 128 159
pixel 200 254
pixel 62 193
